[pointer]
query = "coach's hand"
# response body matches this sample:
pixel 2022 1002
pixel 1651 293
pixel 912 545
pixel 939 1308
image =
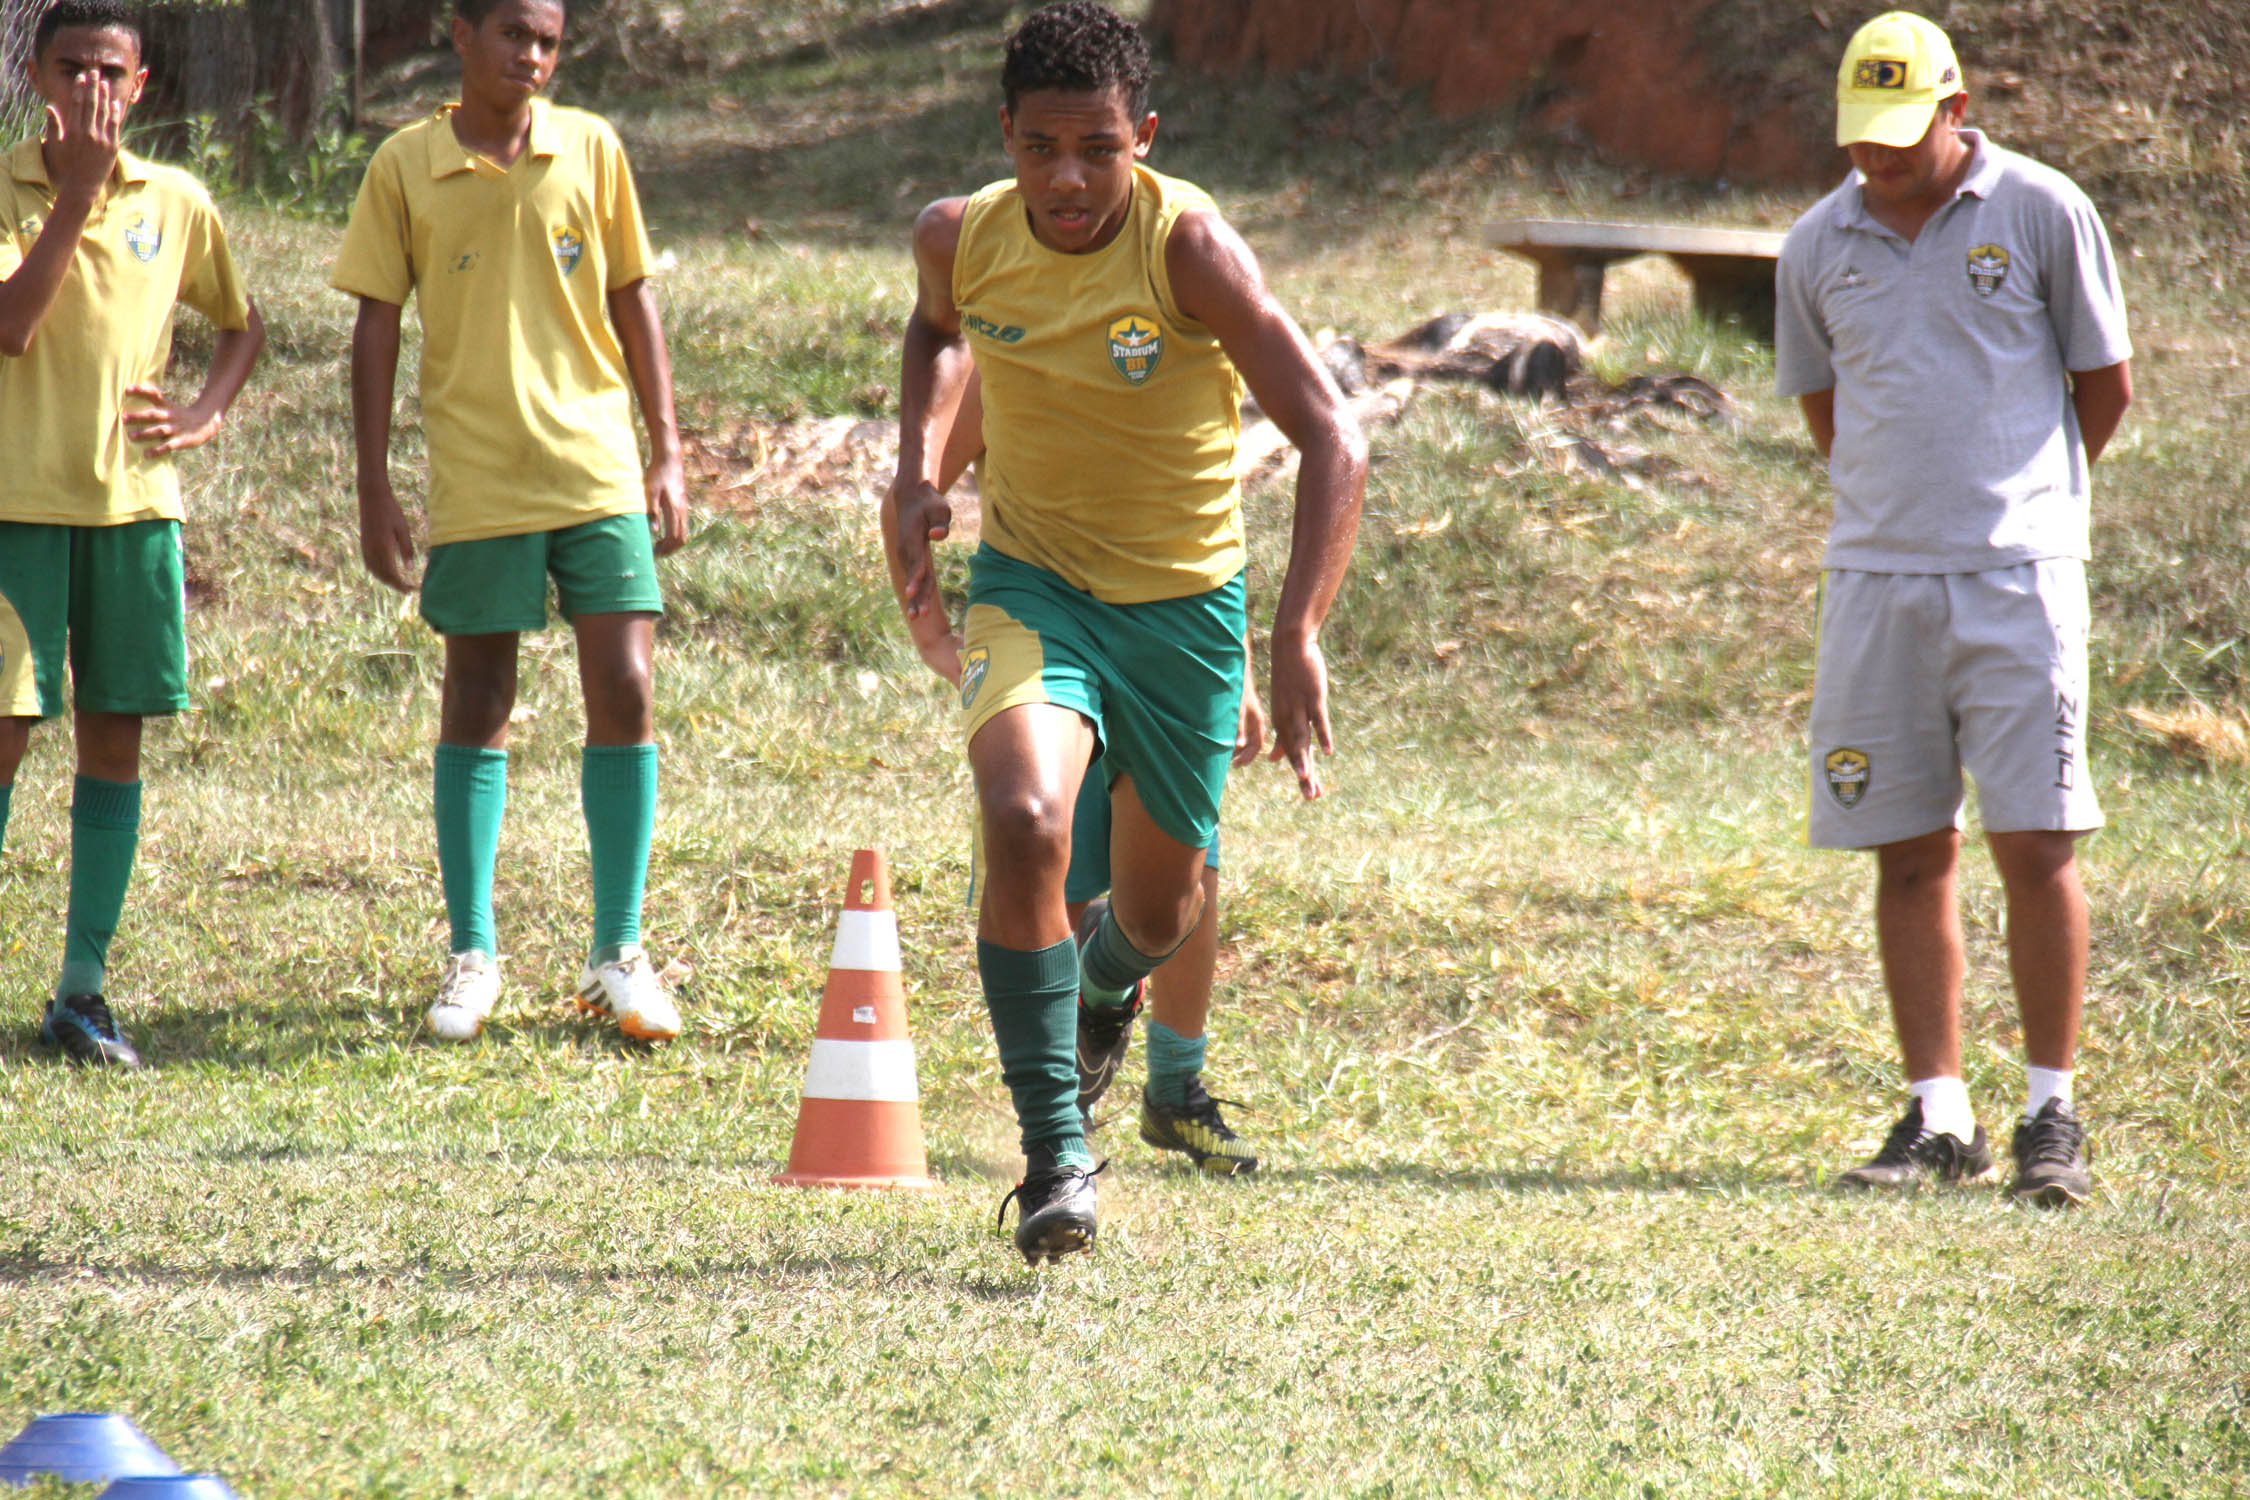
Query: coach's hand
pixel 1300 708
pixel 667 503
pixel 923 517
pixel 386 541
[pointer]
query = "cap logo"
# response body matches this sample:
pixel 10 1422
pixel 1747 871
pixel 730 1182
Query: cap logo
pixel 1951 75
pixel 1879 73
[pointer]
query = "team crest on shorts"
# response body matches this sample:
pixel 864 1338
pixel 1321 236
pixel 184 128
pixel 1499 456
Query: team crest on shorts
pixel 1846 771
pixel 570 247
pixel 1988 267
pixel 1135 345
pixel 974 664
pixel 143 238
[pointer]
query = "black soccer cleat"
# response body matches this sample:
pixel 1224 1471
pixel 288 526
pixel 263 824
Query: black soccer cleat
pixel 1198 1131
pixel 1911 1154
pixel 2050 1152
pixel 83 1028
pixel 1105 1032
pixel 1055 1208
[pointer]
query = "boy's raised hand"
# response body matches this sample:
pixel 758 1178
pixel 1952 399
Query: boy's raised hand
pixel 83 148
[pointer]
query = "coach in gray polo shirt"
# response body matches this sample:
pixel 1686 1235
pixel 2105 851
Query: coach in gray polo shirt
pixel 1951 320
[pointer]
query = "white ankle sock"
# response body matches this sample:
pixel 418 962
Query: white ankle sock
pixel 1945 1106
pixel 2044 1084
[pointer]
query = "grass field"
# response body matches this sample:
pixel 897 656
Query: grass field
pixel 1550 1026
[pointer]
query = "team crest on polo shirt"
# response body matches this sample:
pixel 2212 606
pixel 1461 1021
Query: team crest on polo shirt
pixel 974 664
pixel 570 248
pixel 1988 267
pixel 1847 773
pixel 143 238
pixel 1135 345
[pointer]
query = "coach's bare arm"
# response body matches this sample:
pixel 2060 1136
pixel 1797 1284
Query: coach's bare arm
pixel 1216 281
pixel 934 369
pixel 2101 397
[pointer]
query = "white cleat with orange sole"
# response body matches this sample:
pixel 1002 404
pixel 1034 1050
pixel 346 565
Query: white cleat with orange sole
pixel 465 996
pixel 627 990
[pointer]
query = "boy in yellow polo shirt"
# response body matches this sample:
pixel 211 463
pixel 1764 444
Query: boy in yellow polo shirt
pixel 515 225
pixel 96 247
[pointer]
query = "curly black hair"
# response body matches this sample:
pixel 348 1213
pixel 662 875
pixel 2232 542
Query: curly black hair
pixel 92 15
pixel 474 11
pixel 1080 47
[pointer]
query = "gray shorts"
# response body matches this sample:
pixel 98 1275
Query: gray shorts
pixel 1923 674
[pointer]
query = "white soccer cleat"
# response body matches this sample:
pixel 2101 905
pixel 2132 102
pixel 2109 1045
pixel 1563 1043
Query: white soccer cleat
pixel 465 996
pixel 627 990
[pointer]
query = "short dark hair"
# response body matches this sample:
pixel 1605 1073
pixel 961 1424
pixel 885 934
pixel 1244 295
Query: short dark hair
pixel 1079 47
pixel 474 11
pixel 89 15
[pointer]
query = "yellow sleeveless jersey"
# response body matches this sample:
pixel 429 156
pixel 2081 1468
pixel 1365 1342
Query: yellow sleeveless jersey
pixel 1110 418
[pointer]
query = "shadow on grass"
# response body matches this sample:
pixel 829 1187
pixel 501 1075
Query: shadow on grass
pixel 1531 1180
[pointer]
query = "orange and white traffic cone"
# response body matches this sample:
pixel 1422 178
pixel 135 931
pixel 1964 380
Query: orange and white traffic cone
pixel 860 1122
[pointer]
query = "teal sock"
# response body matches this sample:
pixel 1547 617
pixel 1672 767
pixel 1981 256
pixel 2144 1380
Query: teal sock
pixel 471 792
pixel 1111 965
pixel 1033 1000
pixel 6 793
pixel 617 787
pixel 1173 1060
pixel 105 832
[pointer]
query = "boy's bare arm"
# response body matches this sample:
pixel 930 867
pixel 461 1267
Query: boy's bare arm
pixel 640 330
pixel 169 429
pixel 83 150
pixel 386 541
pixel 1218 284
pixel 934 368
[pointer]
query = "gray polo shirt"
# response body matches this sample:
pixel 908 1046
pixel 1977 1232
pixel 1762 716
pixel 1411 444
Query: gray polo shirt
pixel 1957 448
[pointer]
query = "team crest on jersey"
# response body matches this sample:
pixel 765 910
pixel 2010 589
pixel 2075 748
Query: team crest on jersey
pixel 143 238
pixel 1988 267
pixel 570 248
pixel 1847 773
pixel 974 664
pixel 1879 73
pixel 1135 345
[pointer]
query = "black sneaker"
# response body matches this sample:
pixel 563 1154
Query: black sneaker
pixel 1105 1032
pixel 1055 1208
pixel 1912 1153
pixel 2050 1152
pixel 82 1026
pixel 1197 1130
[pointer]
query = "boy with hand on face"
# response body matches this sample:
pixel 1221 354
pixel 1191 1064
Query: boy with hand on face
pixel 515 224
pixel 96 248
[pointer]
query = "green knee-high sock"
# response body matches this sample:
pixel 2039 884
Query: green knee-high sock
pixel 105 832
pixel 617 787
pixel 6 794
pixel 1111 965
pixel 471 792
pixel 1033 1000
pixel 1172 1061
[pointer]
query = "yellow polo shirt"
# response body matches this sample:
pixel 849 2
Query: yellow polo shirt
pixel 153 240
pixel 527 406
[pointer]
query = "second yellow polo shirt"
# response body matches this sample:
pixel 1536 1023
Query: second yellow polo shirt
pixel 527 405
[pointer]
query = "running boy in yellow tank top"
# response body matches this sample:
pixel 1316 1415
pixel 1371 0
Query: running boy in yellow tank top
pixel 1113 318
pixel 514 225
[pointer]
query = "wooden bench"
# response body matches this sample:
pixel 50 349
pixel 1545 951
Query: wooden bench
pixel 1732 269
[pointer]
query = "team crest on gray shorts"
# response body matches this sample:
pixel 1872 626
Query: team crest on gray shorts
pixel 1847 773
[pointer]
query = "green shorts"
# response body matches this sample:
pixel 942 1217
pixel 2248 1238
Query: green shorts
pixel 1160 682
pixel 112 600
pixel 1089 838
pixel 498 584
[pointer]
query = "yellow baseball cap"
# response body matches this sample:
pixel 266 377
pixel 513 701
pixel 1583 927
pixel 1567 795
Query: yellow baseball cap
pixel 1895 71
